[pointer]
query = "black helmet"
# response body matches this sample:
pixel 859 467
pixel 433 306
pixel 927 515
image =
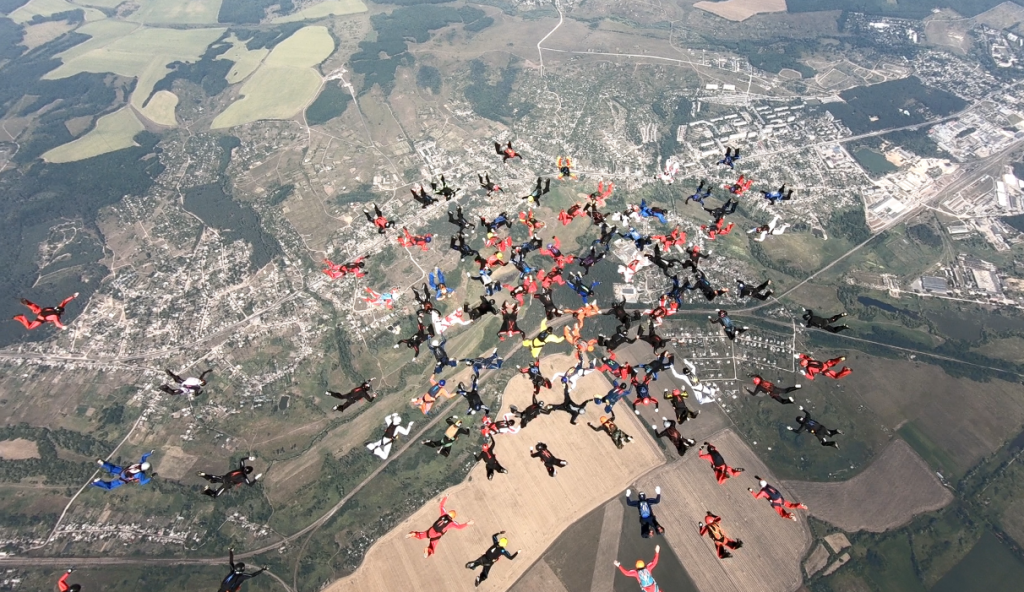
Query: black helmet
pixel 248 470
pixel 800 419
pixel 239 567
pixel 75 588
pixel 642 496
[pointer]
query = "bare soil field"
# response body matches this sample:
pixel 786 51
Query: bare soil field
pixel 910 488
pixel 18 449
pixel 175 463
pixel 1003 16
pixel 773 548
pixel 741 10
pixel 596 472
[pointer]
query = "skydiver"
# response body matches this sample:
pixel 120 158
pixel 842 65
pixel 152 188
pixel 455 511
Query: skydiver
pixel 722 470
pixel 676 237
pixel 731 330
pixel 571 376
pixel 596 217
pixel 190 386
pixel 486 306
pixel 647 211
pixel 536 377
pixel 531 222
pixel 554 275
pixel 597 198
pixel 487 185
pixel 460 220
pixel 662 263
pixel 675 293
pixel 491 556
pixel 496 258
pixel 337 270
pixel 451 434
pixel 546 457
pixel 591 259
pixel 426 401
pixel 123 475
pixel 619 391
pixel 699 196
pixel 577 284
pixel 574 211
pixel 619 437
pixel 530 412
pixel 472 396
pixel 505 425
pixel 682 444
pixel 455 317
pixel 363 391
pixel 50 314
pixel 538 191
pixel 484 277
pixel 392 430
pixel 439 284
pixel 771 228
pixel 554 250
pixel 730 157
pixel 812 367
pixel 568 405
pixel 564 164
pixel 492 362
pixel 772 390
pixel 815 428
pixel 443 189
pixel 663 362
pixel 643 393
pixel 703 391
pixel 422 198
pixel 621 371
pixel 778 195
pixel 543 338
pixel 412 240
pixel 379 220
pixel 652 338
pixel 507 152
pixel 234 580
pixel 437 348
pixel 438 529
pixel 491 463
pixel 648 521
pixel 618 309
pixel 670 172
pixel 665 307
pixel 712 527
pixel 822 322
pixel 642 573
pixel 458 243
pixel 620 337
pixel 607 234
pixel 550 310
pixel 62 583
pixel 726 209
pixel 774 497
pixel 717 228
pixel 236 477
pixel 761 292
pixel 695 255
pixel 496 224
pixel 739 187
pixel 422 334
pixel 639 241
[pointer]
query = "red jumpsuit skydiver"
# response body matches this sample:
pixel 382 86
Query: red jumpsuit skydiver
pixel 50 314
pixel 438 529
pixel 722 470
pixel 812 367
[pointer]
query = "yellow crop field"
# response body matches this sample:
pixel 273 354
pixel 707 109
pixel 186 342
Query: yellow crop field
pixel 306 48
pixel 325 8
pixel 101 34
pixel 246 60
pixel 271 93
pixel 36 35
pixel 100 3
pixel 160 109
pixel 48 7
pixel 176 12
pixel 112 132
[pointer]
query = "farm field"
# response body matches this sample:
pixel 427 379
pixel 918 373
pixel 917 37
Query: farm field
pixel 911 488
pixel 740 10
pixel 285 83
pixel 325 8
pixel 48 7
pixel 246 60
pixel 18 449
pixel 596 473
pixel 160 109
pixel 112 132
pixel 176 12
pixel 36 35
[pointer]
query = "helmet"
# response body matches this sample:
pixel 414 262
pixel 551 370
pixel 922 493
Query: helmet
pixel 239 567
pixel 248 470
pixel 800 419
pixel 604 418
pixel 502 542
pixel 499 256
pixel 709 518
pixel 757 380
pixel 144 466
pixel 640 564
pixel 804 362
pixel 429 238
pixel 541 403
pixel 762 483
pixel 75 588
pixel 722 313
pixel 667 422
pixel 435 342
pixel 451 514
pixel 442 382
pixel 642 496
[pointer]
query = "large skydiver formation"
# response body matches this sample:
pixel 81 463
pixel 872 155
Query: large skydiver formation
pixel 538 275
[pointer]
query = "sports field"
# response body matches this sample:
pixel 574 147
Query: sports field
pixel 285 83
pixel 160 109
pixel 596 472
pixel 112 132
pixel 325 8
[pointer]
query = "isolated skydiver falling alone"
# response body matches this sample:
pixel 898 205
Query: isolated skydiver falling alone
pixel 451 434
pixel 50 314
pixel 438 529
pixel 190 386
pixel 491 463
pixel 722 470
pixel 234 580
pixel 363 391
pixel 816 429
pixel 648 521
pixel 392 430
pixel 772 390
pixel 778 195
pixel 731 330
pixel 824 323
pixel 491 556
pixel 378 220
pixel 131 474
pixel 507 151
pixel 682 444
pixel 619 437
pixel 546 457
pixel 229 480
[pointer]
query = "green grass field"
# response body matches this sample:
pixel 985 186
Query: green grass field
pixel 176 12
pixel 48 7
pixel 160 109
pixel 112 132
pixel 246 60
pixel 936 457
pixel 325 8
pixel 271 93
pixel 306 48
pixel 100 3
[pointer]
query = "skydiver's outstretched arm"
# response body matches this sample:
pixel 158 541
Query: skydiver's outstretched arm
pixel 174 377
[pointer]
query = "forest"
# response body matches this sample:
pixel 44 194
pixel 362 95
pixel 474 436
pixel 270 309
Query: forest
pixel 429 77
pixel 251 11
pixel 209 72
pixel 491 100
pixel 237 220
pixel 883 103
pixel 914 9
pixel 330 103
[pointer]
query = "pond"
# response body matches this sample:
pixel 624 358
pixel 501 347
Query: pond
pixel 874 161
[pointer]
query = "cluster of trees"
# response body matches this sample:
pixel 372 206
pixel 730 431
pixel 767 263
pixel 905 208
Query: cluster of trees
pixel 491 100
pixel 849 224
pixel 677 113
pixel 53 469
pixel 885 102
pixel 910 9
pixel 266 38
pixel 281 193
pixel 330 103
pixel 775 55
pixel 209 73
pixel 429 77
pixel 251 11
pixel 239 221
pixel 11 36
